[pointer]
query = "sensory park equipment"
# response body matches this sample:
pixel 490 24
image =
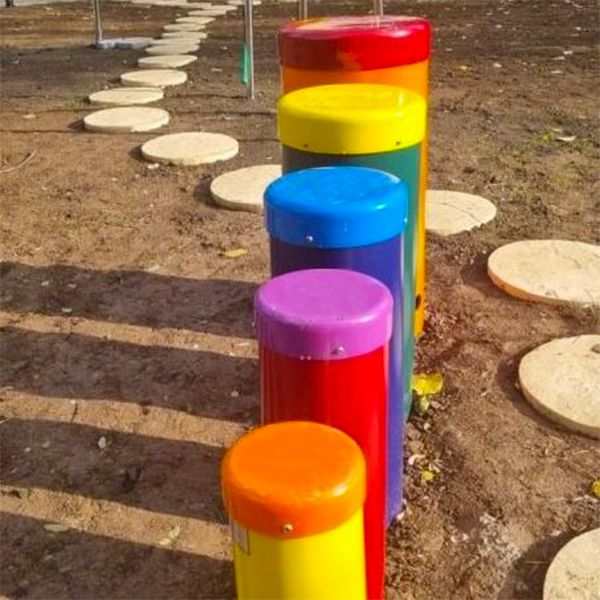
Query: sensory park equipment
pixel 368 125
pixel 323 337
pixel 294 492
pixel 391 50
pixel 348 218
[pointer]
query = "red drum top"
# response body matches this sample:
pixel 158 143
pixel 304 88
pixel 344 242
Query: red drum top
pixel 354 43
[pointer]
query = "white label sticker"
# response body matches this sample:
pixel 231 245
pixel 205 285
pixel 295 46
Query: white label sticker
pixel 239 535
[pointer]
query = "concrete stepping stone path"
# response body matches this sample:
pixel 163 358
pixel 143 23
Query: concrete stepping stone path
pixel 174 42
pixel 174 48
pixel 215 10
pixel 244 189
pixel 126 96
pixel 210 12
pixel 170 61
pixel 195 20
pixel 574 573
pixel 551 271
pixel 154 77
pixel 126 119
pixel 187 36
pixel 183 27
pixel 190 148
pixel 449 212
pixel 561 379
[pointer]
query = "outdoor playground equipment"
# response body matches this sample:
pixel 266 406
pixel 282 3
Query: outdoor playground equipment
pixel 294 493
pixel 323 336
pixel 391 50
pixel 336 325
pixel 376 126
pixel 348 218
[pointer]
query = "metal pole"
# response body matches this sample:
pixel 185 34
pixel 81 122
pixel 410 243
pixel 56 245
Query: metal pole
pixel 97 23
pixel 378 8
pixel 302 9
pixel 249 35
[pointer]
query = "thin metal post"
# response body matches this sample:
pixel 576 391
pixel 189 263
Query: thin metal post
pixel 302 10
pixel 97 23
pixel 249 35
pixel 378 8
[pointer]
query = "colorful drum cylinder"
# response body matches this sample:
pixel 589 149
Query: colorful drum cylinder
pixel 391 50
pixel 323 336
pixel 294 493
pixel 367 125
pixel 348 218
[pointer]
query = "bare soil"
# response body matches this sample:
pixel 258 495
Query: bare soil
pixel 128 359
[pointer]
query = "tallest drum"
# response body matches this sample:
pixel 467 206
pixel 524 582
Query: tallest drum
pixel 391 50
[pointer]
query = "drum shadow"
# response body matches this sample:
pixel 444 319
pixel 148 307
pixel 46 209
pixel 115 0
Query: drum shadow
pixel 76 564
pixel 216 306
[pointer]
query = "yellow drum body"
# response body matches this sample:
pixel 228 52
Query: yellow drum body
pixel 328 565
pixel 295 493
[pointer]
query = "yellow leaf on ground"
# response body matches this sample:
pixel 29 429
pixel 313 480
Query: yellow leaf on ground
pixel 425 384
pixel 235 253
pixel 171 537
pixel 596 488
pixel 427 476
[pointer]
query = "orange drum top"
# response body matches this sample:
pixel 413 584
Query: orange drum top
pixel 293 479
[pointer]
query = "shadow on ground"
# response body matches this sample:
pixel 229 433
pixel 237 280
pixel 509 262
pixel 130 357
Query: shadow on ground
pixel 221 307
pixel 74 564
pixel 151 473
pixel 70 365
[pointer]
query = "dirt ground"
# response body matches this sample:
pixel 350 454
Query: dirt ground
pixel 128 359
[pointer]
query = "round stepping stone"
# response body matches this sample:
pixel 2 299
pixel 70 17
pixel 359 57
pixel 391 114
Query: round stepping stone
pixel 195 20
pixel 164 42
pixel 188 149
pixel 154 77
pixel 172 49
pixel 126 119
pixel 552 271
pixel 208 13
pixel 453 212
pixel 561 379
pixel 244 189
pixel 183 27
pixel 127 96
pixel 574 573
pixel 170 61
pixel 215 10
pixel 184 36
